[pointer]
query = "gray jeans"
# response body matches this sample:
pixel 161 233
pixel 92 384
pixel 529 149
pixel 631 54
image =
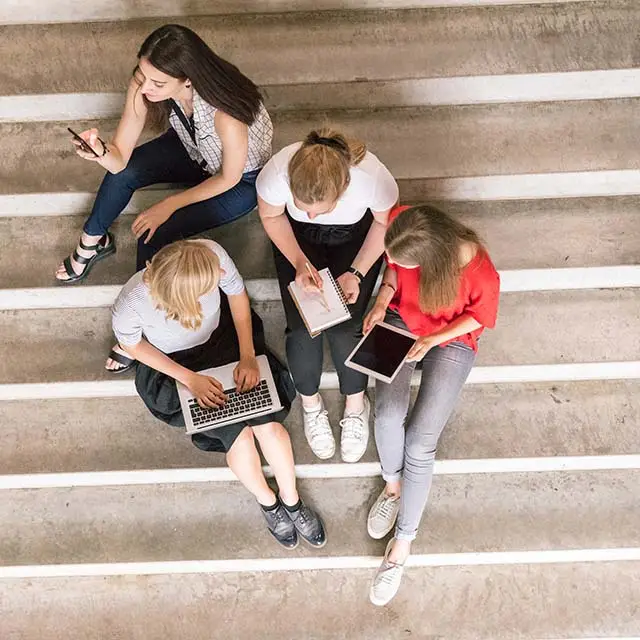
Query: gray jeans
pixel 406 440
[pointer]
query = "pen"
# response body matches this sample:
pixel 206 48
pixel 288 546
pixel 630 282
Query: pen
pixel 325 304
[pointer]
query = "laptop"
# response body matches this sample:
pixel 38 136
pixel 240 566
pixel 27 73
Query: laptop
pixel 259 401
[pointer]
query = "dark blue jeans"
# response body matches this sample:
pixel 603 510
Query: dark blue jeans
pixel 165 159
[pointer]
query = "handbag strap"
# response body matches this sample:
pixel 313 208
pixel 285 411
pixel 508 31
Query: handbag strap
pixel 185 121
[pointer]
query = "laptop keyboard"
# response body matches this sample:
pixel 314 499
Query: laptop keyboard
pixel 237 404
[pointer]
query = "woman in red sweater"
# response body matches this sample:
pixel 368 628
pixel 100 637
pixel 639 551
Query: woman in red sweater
pixel 441 285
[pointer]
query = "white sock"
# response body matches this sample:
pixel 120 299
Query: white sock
pixel 315 409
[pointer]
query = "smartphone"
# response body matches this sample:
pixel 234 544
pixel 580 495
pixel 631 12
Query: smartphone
pixel 83 144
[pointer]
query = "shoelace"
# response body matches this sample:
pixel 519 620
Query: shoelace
pixel 386 507
pixel 388 574
pixel 352 427
pixel 320 425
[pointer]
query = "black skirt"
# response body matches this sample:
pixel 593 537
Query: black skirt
pixel 160 393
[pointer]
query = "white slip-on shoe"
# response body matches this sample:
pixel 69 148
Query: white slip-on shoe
pixel 387 580
pixel 355 433
pixel 317 430
pixel 383 515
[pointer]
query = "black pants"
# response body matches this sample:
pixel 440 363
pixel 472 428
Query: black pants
pixel 335 247
pixel 159 392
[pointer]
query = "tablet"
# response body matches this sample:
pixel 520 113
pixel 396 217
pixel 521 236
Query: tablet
pixel 381 352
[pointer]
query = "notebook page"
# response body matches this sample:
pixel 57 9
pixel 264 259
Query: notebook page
pixel 315 313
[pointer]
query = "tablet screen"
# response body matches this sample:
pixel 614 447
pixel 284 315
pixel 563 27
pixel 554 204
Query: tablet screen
pixel 383 350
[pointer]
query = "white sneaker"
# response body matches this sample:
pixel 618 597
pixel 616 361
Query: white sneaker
pixel 383 515
pixel 318 431
pixel 387 580
pixel 355 433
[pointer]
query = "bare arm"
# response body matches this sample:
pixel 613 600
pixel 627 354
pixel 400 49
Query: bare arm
pixel 130 127
pixel 279 230
pixel 373 245
pixel 386 292
pixel 208 391
pixel 247 373
pixel 234 136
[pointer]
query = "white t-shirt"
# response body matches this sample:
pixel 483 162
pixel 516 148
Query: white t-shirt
pixel 134 314
pixel 371 187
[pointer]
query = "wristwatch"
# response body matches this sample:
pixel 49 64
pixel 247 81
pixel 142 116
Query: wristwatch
pixel 356 273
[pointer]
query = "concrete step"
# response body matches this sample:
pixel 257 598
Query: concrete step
pixel 501 602
pixel 318 46
pixel 31 11
pixel 478 140
pixel 466 513
pixel 588 418
pixel 544 327
pixel 582 232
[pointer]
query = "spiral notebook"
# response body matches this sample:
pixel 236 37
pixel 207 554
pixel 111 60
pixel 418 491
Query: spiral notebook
pixel 315 315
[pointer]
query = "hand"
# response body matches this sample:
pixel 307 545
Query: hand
pixel 90 136
pixel 206 390
pixel 350 285
pixel 151 219
pixel 305 281
pixel 246 375
pixel 420 348
pixel 377 314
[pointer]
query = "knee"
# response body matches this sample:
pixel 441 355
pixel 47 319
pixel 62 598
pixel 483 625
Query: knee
pixel 244 442
pixel 420 452
pixel 270 431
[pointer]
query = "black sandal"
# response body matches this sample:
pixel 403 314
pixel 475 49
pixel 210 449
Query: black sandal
pixel 105 247
pixel 128 363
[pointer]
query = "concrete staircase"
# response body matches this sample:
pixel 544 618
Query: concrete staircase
pixel 521 118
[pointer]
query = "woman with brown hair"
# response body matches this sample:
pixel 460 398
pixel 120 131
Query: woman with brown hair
pixel 441 285
pixel 218 139
pixel 189 311
pixel 324 202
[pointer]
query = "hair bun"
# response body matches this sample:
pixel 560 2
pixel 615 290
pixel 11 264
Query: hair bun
pixel 333 142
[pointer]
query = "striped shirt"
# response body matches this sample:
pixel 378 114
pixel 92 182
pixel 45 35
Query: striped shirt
pixel 134 314
pixel 209 146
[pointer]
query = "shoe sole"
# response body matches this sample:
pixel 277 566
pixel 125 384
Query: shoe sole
pixel 352 460
pixel 284 546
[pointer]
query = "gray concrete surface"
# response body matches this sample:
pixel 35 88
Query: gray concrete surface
pixel 491 421
pixel 465 603
pixel 415 143
pixel 595 325
pixel 466 513
pixel 527 234
pixel 318 47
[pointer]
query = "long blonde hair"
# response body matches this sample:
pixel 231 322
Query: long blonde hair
pixel 179 274
pixel 425 236
pixel 319 171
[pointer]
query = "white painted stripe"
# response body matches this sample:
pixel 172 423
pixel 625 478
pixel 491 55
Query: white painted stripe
pixel 336 563
pixel 37 11
pixel 414 92
pixel 70 204
pixel 315 471
pixel 479 375
pixel 499 187
pixel 266 289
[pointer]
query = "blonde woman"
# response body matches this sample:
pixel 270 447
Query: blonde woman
pixel 441 285
pixel 324 202
pixel 189 311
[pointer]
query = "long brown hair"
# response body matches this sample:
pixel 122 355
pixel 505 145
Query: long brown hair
pixel 319 171
pixel 425 236
pixel 181 53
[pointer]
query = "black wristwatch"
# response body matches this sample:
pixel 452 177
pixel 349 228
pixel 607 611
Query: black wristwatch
pixel 356 273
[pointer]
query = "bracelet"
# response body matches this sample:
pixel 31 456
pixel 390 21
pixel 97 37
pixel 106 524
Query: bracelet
pixel 388 284
pixel 356 273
